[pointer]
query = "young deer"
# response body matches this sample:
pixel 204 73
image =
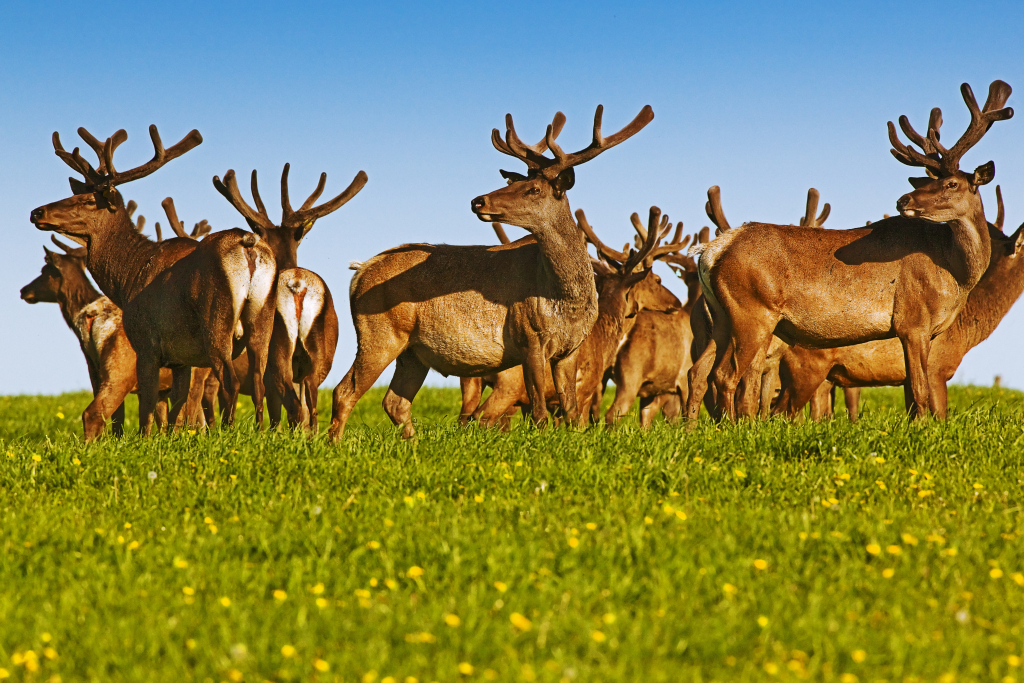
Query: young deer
pixel 96 323
pixel 472 310
pixel 905 277
pixel 880 363
pixel 305 333
pixel 626 285
pixel 185 303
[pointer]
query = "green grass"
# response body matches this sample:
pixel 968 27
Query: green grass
pixel 629 556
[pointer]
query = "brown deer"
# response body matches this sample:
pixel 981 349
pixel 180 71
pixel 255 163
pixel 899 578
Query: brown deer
pixel 623 291
pixel 185 303
pixel 905 277
pixel 96 323
pixel 472 310
pixel 305 334
pixel 880 362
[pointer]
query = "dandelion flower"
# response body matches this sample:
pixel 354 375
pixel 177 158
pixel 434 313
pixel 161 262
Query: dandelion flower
pixel 1013 660
pixel 648 520
pixel 225 601
pixel 740 474
pixel 373 545
pixel 370 676
pixel 1018 578
pixel 134 545
pixel 60 416
pixel 771 668
pixel 520 622
pixel 180 563
pixel 188 590
pixel 321 665
pixel 321 603
pixel 762 621
pixel 452 620
pixel 288 650
pixel 894 550
pixel 501 586
pixel 760 564
pixel 49 653
pixel 608 618
pixel 574 542
pixel 478 498
pixel 36 458
pixel 415 572
pixel 996 573
pixel 888 573
pixel 848 678
pixel 858 656
pixel 598 636
pixel 4 673
pixel 591 526
pixel 729 589
pixel 908 539
pixel 76 461
pixel 317 589
pixel 280 595
pixel 978 486
pixel 466 669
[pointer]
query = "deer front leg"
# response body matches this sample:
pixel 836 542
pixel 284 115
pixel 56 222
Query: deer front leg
pixel 852 397
pixel 472 389
pixel 409 375
pixel 147 370
pixel 563 373
pixel 916 347
pixel 181 384
pixel 534 371
pixel 109 400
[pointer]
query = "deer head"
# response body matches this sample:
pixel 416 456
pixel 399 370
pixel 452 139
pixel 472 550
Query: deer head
pixel 96 205
pixel 534 201
pixel 949 194
pixel 57 268
pixel 284 238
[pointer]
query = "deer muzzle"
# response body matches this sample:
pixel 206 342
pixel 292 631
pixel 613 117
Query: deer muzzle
pixel 903 205
pixel 479 207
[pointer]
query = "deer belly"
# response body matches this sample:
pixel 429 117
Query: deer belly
pixel 462 340
pixel 831 319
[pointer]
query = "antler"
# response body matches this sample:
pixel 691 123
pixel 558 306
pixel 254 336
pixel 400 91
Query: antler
pixel 938 160
pixel 307 213
pixel 229 188
pixel 674 245
pixel 808 220
pixel 1000 214
pixel 602 248
pixel 172 217
pixel 201 229
pixel 76 252
pixel 713 208
pixel 500 232
pixel 657 226
pixel 105 173
pixel 533 156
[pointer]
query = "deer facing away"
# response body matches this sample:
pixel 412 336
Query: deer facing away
pixel 472 310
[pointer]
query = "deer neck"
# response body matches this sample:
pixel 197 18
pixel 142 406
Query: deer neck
pixel 597 352
pixel 970 235
pixel 121 261
pixel 74 295
pixel 567 264
pixel 987 304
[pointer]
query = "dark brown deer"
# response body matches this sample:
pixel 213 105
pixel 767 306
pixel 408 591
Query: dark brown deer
pixel 305 334
pixel 472 310
pixel 185 304
pixel 881 363
pixel 96 323
pixel 626 285
pixel 905 277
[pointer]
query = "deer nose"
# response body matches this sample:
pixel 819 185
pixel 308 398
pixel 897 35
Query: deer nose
pixel 36 215
pixel 478 203
pixel 902 202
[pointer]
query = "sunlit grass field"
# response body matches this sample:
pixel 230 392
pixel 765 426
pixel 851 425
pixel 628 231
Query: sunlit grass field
pixel 768 551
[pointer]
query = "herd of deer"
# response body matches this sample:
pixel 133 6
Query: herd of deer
pixel 776 316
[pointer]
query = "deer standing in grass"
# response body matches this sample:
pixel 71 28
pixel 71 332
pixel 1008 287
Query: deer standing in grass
pixel 880 363
pixel 905 277
pixel 185 304
pixel 626 285
pixel 305 334
pixel 473 310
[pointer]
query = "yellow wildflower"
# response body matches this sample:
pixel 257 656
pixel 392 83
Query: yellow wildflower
pixel 466 669
pixel 280 595
pixel 908 539
pixel 729 589
pixel 598 636
pixel 288 651
pixel 858 656
pixel 888 573
pixel 321 665
pixel 996 573
pixel 452 620
pixel 225 601
pixel 894 550
pixel 762 621
pixel 501 586
pixel 520 622
pixel 760 564
pixel 591 526
pixel 414 572
pixel 574 542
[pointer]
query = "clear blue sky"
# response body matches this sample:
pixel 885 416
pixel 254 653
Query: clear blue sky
pixel 763 100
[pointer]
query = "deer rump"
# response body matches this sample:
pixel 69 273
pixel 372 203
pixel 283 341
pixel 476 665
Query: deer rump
pixel 219 290
pixel 830 288
pixel 443 303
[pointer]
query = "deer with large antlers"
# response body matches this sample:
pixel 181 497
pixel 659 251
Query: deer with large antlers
pixel 96 323
pixel 905 277
pixel 472 310
pixel 185 304
pixel 626 285
pixel 305 334
pixel 880 363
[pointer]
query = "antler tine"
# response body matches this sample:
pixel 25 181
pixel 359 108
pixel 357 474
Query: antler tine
pixel 254 187
pixel 76 252
pixel 654 231
pixel 704 236
pixel 713 208
pixel 601 247
pixel 140 224
pixel 159 234
pixel 1000 214
pixel 308 214
pixel 823 216
pixel 641 231
pixel 812 208
pixel 172 217
pixel 599 143
pixel 675 245
pixel 130 207
pixel 981 120
pixel 500 232
pixel 76 162
pixel 685 263
pixel 201 229
pixel 906 154
pixel 229 189
pixel 161 156
pixel 513 146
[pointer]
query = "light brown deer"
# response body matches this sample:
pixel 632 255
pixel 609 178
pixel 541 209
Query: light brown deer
pixel 626 285
pixel 880 363
pixel 905 277
pixel 185 303
pixel 305 334
pixel 472 310
pixel 96 323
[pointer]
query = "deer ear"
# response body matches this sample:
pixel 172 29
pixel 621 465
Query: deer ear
pixel 78 187
pixel 257 228
pixel 564 181
pixel 511 176
pixel 918 183
pixel 1019 242
pixel 984 174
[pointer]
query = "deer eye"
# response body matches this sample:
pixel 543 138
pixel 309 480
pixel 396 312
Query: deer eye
pixel 532 191
pixel 951 185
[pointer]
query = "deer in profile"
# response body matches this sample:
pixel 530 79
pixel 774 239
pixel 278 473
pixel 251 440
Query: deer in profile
pixel 96 323
pixel 881 363
pixel 305 329
pixel 626 285
pixel 185 304
pixel 906 277
pixel 473 310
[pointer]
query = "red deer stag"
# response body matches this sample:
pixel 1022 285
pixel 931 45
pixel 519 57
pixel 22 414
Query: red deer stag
pixel 185 303
pixel 880 363
pixel 905 277
pixel 626 285
pixel 305 333
pixel 472 310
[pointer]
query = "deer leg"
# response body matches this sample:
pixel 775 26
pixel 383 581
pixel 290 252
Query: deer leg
pixel 749 343
pixel 628 381
pixel 563 373
pixel 160 416
pixel 534 378
pixel 357 381
pixel 749 401
pixel 147 370
pixel 109 400
pixel 819 401
pixel 915 350
pixel 508 390
pixel 181 385
pixel 409 375
pixel 673 407
pixel 117 420
pixel 472 389
pixel 311 387
pixel 225 373
pixel 650 406
pixel 697 381
pixel 852 397
pixel 195 415
pixel 211 391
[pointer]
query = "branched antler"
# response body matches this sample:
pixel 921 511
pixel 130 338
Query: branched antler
pixel 627 262
pixel 229 188
pixel 200 230
pixel 808 220
pixel 307 213
pixel 74 252
pixel 713 208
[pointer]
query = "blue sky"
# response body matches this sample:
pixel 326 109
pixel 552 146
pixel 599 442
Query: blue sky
pixel 763 100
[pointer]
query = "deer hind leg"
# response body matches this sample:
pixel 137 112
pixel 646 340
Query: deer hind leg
pixel 181 386
pixel 409 375
pixel 627 386
pixel 109 401
pixel 563 373
pixel 508 391
pixel 749 343
pixel 211 391
pixel 472 389
pixel 852 397
pixel 224 371
pixel 311 387
pixel 820 401
pixel 195 414
pixel 147 370
pixel 697 380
